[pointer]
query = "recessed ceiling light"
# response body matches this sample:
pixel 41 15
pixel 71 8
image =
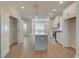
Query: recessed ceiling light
pixel 50 14
pixel 28 16
pixel 61 2
pixel 36 17
pixel 22 7
pixel 54 10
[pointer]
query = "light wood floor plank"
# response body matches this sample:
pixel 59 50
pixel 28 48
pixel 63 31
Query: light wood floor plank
pixel 54 51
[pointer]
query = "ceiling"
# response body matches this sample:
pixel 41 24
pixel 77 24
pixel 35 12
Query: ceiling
pixel 43 10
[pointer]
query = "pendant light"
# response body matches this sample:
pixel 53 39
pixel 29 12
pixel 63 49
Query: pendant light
pixel 36 11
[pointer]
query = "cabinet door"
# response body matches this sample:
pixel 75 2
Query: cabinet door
pixel 60 37
pixel 41 42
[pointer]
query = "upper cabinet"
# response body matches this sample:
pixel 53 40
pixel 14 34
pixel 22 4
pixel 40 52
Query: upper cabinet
pixel 61 23
pixel 55 22
pixel 70 11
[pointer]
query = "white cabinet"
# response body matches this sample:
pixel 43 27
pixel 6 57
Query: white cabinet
pixel 55 22
pixel 59 37
pixel 70 11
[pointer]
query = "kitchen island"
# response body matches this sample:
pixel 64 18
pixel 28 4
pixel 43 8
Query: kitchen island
pixel 41 42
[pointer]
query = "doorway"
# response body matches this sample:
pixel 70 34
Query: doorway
pixel 70 32
pixel 13 31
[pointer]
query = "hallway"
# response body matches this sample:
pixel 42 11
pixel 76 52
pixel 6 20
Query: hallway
pixel 26 50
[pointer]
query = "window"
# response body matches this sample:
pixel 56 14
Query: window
pixel 25 26
pixel 39 28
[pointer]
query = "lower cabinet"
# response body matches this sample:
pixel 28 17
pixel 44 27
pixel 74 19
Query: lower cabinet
pixel 59 37
pixel 41 42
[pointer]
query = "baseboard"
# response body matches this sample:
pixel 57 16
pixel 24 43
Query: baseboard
pixel 59 43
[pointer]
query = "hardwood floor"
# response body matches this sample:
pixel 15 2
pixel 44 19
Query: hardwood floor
pixel 55 50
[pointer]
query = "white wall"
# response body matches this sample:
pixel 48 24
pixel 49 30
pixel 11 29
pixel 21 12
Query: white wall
pixel 20 31
pixel 4 33
pixel 65 34
pixel 29 26
pixel 77 31
pixel 0 34
pixel 5 39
